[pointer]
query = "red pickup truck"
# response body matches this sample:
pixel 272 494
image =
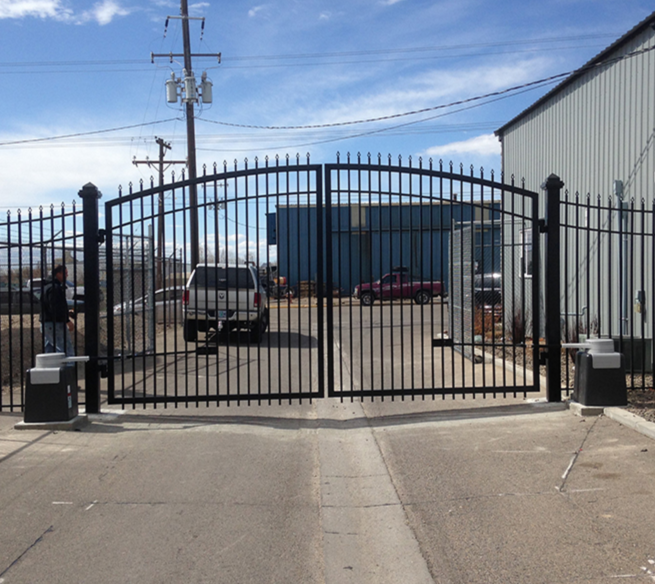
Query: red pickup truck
pixel 398 285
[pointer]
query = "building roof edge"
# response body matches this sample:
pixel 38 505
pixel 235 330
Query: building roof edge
pixel 636 30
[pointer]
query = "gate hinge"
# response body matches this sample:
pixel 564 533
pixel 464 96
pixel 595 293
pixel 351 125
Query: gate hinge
pixel 101 236
pixel 543 227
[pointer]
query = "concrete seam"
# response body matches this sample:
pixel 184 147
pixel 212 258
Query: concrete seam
pixel 401 504
pixel 569 469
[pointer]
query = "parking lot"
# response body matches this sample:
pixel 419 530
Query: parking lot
pixel 385 348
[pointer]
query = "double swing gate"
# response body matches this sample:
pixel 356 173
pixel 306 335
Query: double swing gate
pixel 381 279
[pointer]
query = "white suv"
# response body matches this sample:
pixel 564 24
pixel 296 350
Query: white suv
pixel 224 297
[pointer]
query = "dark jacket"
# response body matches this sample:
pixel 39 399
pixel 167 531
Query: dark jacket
pixel 54 307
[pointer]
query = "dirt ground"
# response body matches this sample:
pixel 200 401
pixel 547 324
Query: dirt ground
pixel 642 403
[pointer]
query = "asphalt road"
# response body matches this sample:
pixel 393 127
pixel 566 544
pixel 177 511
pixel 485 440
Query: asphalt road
pixel 446 491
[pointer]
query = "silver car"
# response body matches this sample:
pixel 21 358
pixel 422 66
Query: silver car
pixel 167 305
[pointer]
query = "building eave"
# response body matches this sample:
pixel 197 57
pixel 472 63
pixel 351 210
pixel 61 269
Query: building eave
pixel 647 22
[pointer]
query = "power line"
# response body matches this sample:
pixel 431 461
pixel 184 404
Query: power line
pixel 515 88
pixel 543 81
pixel 421 49
pixel 471 100
pixel 322 55
pixel 79 134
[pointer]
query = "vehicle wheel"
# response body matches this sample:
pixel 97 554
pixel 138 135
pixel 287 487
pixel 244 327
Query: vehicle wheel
pixel 422 297
pixel 366 298
pixel 190 331
pixel 259 328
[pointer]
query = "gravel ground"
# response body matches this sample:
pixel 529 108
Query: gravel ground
pixel 642 403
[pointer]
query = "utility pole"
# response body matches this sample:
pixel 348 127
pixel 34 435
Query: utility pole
pixel 188 86
pixel 161 239
pixel 191 141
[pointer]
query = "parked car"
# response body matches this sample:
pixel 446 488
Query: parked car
pixel 167 306
pixel 19 302
pixel 398 284
pixel 487 289
pixel 74 294
pixel 224 297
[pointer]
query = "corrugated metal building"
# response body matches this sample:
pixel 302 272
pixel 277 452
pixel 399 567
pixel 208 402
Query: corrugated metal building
pixel 596 131
pixel 370 240
pixel 594 128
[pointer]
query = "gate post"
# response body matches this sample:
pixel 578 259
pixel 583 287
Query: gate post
pixel 552 186
pixel 90 195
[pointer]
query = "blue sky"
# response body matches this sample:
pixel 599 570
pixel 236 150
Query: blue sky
pixel 70 68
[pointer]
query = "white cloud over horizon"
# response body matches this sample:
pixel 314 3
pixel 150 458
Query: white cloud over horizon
pixel 484 145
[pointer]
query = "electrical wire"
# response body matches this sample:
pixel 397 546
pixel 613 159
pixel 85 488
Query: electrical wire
pixel 375 131
pixel 539 82
pixel 471 100
pixel 79 134
pixel 324 55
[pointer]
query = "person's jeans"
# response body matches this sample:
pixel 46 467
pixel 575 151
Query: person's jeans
pixel 56 338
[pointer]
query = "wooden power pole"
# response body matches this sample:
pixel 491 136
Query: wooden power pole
pixel 190 98
pixel 161 237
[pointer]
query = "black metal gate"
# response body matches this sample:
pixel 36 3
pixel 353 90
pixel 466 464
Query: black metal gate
pixel 148 250
pixel 394 281
pixel 442 277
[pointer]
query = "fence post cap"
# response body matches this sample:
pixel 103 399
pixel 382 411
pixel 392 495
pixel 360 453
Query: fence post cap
pixel 553 181
pixel 90 190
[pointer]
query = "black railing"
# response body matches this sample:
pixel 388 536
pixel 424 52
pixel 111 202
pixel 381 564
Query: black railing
pixel 608 266
pixel 384 279
pixel 32 243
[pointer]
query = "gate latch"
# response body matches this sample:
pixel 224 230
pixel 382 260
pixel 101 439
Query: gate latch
pixel 101 236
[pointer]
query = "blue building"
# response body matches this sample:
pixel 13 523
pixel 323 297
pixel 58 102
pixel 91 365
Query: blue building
pixel 369 241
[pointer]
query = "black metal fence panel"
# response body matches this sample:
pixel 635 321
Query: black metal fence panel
pixel 608 269
pixel 32 244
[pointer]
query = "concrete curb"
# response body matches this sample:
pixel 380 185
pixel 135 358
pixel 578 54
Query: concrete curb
pixel 74 424
pixel 618 414
pixel 631 421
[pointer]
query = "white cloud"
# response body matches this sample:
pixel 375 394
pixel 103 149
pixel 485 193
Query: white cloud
pixel 253 11
pixel 485 145
pixel 34 8
pixel 198 7
pixel 429 89
pixel 390 2
pixel 63 171
pixel 104 12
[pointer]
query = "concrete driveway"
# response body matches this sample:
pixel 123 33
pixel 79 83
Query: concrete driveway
pixel 461 491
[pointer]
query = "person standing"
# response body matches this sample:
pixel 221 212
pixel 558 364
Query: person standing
pixel 56 324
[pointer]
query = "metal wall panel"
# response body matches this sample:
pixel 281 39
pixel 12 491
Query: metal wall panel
pixel 597 130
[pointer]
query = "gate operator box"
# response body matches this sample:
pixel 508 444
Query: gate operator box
pixel 51 389
pixel 599 374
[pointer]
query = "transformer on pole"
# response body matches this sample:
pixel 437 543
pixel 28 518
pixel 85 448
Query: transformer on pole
pixel 190 93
